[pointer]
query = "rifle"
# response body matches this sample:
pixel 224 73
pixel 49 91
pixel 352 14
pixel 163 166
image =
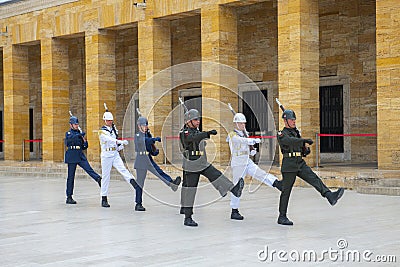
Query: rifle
pixel 246 134
pixel 305 150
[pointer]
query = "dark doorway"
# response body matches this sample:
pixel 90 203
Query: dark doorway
pixel 255 111
pixel 331 118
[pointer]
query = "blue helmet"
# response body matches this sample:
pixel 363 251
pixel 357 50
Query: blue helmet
pixel 73 120
pixel 142 121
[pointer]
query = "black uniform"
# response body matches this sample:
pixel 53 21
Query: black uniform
pixel 194 164
pixel 293 165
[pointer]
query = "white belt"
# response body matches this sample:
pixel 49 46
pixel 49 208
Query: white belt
pixel 74 147
pixel 143 153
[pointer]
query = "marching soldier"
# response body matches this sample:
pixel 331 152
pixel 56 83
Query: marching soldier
pixel 195 163
pixel 293 149
pixel 75 142
pixel 241 147
pixel 110 147
pixel 145 150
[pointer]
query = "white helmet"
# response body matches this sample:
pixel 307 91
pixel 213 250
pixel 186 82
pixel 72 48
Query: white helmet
pixel 239 117
pixel 108 116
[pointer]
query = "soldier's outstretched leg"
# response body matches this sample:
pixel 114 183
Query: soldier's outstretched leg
pixel 160 174
pixel 221 183
pixel 310 177
pixel 287 184
pixel 89 170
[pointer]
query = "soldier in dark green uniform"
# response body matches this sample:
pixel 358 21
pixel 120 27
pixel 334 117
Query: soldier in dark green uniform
pixel 195 163
pixel 293 150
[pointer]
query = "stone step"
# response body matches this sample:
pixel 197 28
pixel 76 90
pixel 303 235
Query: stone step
pixel 379 190
pixel 389 182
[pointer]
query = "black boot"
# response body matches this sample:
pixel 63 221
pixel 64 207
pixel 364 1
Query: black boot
pixel 133 183
pixel 189 222
pixel 278 185
pixel 99 181
pixel 139 207
pixel 282 219
pixel 182 211
pixel 70 200
pixel 104 202
pixel 333 197
pixel 235 215
pixel 175 183
pixel 237 189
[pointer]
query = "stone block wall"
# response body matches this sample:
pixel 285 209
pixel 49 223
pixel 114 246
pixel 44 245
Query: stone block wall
pixel 347 49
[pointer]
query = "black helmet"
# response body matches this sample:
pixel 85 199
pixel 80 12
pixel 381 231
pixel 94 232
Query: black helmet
pixel 192 114
pixel 289 114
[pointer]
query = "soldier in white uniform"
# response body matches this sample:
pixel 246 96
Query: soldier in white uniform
pixel 241 148
pixel 110 147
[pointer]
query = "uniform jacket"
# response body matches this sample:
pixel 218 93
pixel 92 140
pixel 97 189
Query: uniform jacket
pixel 239 146
pixel 290 141
pixel 193 149
pixel 75 146
pixel 144 149
pixel 109 142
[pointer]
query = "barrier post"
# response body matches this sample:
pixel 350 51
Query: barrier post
pixel 317 150
pixel 165 150
pixel 23 150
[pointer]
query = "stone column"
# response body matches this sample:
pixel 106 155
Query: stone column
pixel 298 64
pixel 218 44
pixel 388 81
pixel 16 101
pixel 55 97
pixel 155 95
pixel 100 86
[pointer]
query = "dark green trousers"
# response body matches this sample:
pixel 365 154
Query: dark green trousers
pixel 305 173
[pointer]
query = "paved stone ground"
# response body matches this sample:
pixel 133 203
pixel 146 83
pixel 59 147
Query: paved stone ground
pixel 37 228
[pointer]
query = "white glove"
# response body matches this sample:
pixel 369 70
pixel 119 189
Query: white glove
pixel 257 140
pixel 125 142
pixel 120 147
pixel 253 152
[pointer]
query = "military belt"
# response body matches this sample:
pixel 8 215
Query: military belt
pixel 143 153
pixel 111 148
pixel 292 154
pixel 74 147
pixel 240 153
pixel 196 153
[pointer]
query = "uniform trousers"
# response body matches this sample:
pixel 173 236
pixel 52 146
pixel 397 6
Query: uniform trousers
pixel 141 176
pixel 254 171
pixel 106 164
pixel 305 173
pixel 191 180
pixel 71 175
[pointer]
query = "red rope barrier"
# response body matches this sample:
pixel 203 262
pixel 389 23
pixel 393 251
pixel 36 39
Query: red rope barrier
pixel 33 140
pixel 347 134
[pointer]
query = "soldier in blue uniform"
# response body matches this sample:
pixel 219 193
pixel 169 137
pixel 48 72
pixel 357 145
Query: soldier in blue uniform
pixel 293 149
pixel 75 142
pixel 145 150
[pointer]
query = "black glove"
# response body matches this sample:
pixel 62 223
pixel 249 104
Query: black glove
pixel 309 141
pixel 212 132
